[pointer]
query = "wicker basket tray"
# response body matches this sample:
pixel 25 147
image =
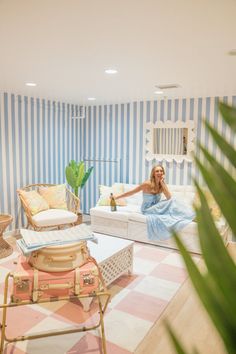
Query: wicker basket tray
pixel 5 248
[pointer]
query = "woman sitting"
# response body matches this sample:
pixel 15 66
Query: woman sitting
pixel 163 216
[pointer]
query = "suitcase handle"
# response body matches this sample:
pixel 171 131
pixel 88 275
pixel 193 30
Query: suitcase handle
pixel 71 257
pixel 56 286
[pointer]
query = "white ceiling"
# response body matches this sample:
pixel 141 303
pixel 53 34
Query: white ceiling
pixel 65 46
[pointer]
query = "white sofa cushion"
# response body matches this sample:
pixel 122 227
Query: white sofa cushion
pixel 137 217
pixel 53 217
pixel 122 213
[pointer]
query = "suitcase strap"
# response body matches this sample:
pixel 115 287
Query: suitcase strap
pixel 35 295
pixel 38 289
pixel 91 259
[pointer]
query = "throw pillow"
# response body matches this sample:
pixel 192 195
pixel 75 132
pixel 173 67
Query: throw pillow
pixel 214 208
pixel 34 201
pixel 105 192
pixel 105 201
pixel 115 189
pixel 55 196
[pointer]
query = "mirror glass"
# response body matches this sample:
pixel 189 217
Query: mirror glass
pixel 170 141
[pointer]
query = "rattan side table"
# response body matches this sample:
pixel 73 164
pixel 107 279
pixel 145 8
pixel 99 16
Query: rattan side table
pixel 5 248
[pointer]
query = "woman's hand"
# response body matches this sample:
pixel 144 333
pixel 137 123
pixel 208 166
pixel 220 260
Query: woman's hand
pixel 162 180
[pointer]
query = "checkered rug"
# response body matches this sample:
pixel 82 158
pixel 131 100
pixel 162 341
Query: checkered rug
pixel 136 304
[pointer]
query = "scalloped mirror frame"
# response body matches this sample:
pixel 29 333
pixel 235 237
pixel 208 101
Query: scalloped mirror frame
pixel 149 155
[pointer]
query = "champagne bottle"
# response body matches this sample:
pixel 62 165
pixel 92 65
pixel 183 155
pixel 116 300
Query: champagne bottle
pixel 112 203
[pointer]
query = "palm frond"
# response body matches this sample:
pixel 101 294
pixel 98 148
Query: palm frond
pixel 216 287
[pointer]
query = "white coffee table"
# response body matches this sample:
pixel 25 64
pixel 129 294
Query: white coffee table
pixel 114 256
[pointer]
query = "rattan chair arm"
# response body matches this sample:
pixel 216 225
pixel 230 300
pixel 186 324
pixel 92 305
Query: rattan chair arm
pixel 75 202
pixel 26 209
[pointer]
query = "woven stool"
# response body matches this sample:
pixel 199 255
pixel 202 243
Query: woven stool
pixel 5 248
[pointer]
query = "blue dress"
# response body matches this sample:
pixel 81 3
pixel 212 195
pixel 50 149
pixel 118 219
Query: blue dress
pixel 164 216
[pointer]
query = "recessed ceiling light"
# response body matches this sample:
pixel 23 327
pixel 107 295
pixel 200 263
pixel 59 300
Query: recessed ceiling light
pixel 91 98
pixel 111 71
pixel 30 84
pixel 158 92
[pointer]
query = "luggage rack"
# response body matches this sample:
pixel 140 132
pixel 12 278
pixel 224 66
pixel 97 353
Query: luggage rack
pixel 88 297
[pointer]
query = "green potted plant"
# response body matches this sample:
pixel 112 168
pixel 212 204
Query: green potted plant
pixel 76 175
pixel 216 287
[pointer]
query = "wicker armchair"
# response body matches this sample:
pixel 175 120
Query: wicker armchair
pixel 60 217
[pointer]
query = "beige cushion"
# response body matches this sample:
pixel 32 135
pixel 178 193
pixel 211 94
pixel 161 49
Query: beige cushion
pixel 105 192
pixel 55 196
pixel 34 201
pixel 53 217
pixel 105 201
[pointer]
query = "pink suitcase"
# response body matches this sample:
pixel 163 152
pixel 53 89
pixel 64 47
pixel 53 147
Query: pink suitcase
pixel 34 285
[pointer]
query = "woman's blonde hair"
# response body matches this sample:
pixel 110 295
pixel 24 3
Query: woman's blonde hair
pixel 154 186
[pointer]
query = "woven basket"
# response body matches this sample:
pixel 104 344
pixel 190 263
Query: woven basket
pixel 5 248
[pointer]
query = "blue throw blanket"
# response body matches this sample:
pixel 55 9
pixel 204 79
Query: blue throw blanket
pixel 164 216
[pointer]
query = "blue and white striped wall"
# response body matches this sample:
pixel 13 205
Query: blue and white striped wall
pixel 38 138
pixel 114 140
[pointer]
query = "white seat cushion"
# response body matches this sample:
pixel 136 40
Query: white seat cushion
pixel 138 217
pixel 105 212
pixel 53 217
pixel 122 213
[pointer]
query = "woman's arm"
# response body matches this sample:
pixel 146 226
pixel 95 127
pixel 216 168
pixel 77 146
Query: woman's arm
pixel 131 192
pixel 165 189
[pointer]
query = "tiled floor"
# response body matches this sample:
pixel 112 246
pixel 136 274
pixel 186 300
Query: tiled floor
pixel 137 302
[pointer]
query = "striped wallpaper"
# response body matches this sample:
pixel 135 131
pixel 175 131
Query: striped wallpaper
pixel 114 140
pixel 38 138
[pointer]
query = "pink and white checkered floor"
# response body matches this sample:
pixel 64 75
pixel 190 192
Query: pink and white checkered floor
pixel 136 304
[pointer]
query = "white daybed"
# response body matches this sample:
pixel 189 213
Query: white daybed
pixel 128 221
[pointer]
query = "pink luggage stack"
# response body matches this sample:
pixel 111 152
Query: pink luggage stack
pixel 55 273
pixel 32 284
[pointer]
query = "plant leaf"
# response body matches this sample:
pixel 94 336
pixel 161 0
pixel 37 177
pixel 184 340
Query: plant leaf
pixel 73 164
pixel 223 144
pixel 80 174
pixel 86 176
pixel 218 185
pixel 70 176
pixel 228 114
pixel 210 239
pixel 176 343
pixel 209 298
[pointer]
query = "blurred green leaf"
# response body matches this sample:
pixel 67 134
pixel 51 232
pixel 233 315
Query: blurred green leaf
pixel 218 182
pixel 228 114
pixel 178 346
pixel 216 288
pixel 210 239
pixel 222 144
